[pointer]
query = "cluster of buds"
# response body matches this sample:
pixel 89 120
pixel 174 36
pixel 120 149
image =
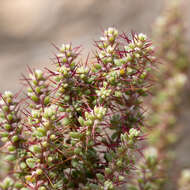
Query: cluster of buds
pixel 97 114
pixel 11 136
pixel 38 89
pixel 10 122
pixel 82 124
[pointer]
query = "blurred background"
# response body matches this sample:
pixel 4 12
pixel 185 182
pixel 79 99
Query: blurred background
pixel 28 27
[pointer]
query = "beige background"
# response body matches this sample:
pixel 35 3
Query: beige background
pixel 27 28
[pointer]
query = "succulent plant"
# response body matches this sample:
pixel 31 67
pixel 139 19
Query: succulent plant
pixel 79 126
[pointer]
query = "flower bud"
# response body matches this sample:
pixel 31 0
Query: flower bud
pixel 31 162
pixel 39 171
pixel 11 148
pixel 15 138
pixel 108 171
pixel 39 74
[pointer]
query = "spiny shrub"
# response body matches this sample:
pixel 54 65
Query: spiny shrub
pixel 79 127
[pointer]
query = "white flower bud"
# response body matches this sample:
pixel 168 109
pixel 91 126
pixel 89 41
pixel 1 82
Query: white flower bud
pixel 142 37
pixel 38 74
pixel 110 49
pixel 8 94
pixel 62 49
pixel 68 46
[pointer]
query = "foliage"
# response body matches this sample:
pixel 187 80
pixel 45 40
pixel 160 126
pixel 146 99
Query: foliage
pixel 79 127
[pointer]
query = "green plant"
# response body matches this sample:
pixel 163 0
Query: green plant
pixel 79 127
